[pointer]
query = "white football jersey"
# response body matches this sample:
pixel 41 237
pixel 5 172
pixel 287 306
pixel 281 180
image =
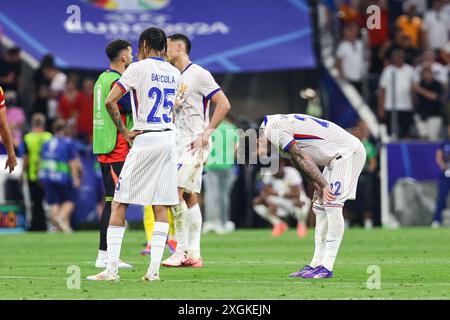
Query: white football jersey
pixel 322 140
pixel 192 118
pixel 153 84
pixel 291 178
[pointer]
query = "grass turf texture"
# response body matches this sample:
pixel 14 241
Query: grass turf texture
pixel 247 264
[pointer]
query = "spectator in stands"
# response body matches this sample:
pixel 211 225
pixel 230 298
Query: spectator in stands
pixel 440 72
pixel 60 174
pixel 398 41
pixel 443 161
pixel 10 69
pixel 436 26
pixel 395 94
pixel 67 107
pixel 219 179
pixel 411 25
pixel 57 86
pixel 15 116
pixel 429 111
pixel 421 6
pixel 363 206
pixel 84 110
pixel 41 86
pixel 350 60
pixel 378 36
pixel 30 150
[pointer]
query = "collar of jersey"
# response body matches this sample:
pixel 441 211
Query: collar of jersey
pixel 156 58
pixel 112 70
pixel 187 67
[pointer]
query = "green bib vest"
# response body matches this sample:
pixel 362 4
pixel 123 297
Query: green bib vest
pixel 105 131
pixel 34 142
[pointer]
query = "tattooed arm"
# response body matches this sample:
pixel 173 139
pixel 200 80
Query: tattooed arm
pixel 113 110
pixel 304 163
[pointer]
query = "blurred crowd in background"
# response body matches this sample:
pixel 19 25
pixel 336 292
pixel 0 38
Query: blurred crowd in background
pixel 401 70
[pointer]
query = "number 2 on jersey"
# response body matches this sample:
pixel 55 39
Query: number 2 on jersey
pixel 156 94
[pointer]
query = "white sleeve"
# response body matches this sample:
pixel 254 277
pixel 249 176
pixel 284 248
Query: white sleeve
pixel 59 82
pixel 417 72
pixel 207 85
pixel 384 79
pixel 279 135
pixel 340 52
pixel 130 78
pixel 426 21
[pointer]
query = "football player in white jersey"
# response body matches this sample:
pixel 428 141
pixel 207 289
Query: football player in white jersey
pixel 194 131
pixel 282 196
pixel 311 142
pixel 149 174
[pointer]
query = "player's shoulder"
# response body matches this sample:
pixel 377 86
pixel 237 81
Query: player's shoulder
pixel 199 70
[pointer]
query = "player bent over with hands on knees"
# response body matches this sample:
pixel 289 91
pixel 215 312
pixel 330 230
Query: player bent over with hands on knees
pixel 149 174
pixel 311 142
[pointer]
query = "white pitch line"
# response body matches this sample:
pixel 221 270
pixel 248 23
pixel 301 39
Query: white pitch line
pixel 415 284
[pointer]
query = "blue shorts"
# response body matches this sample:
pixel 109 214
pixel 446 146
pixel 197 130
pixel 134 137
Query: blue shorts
pixel 58 194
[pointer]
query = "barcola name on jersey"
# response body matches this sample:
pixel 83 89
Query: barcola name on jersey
pixel 163 78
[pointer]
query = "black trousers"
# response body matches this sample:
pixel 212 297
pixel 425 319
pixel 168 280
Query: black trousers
pixel 38 219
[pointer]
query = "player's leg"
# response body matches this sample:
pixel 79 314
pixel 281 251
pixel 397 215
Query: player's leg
pixel 66 212
pixel 181 224
pixel 443 189
pixel 158 242
pixel 301 210
pixel 171 238
pixel 320 235
pixel 268 211
pixel 195 231
pixel 110 173
pixel 114 238
pixel 149 222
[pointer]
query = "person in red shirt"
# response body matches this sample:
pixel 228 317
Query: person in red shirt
pixel 84 108
pixel 68 103
pixel 5 134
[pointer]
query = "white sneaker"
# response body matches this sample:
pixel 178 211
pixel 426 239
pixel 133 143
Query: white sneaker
pixel 209 227
pixel 103 263
pixel 435 224
pixel 228 227
pixel 175 260
pixel 151 277
pixel 104 276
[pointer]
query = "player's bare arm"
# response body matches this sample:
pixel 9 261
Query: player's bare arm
pixel 11 161
pixel 113 110
pixel 304 163
pixel 223 106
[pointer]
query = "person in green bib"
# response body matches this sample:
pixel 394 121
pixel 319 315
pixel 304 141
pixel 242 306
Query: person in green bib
pixel 110 146
pixel 30 150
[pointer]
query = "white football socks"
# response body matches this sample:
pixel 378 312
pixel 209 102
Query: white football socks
pixel 181 225
pixel 158 243
pixel 195 231
pixel 102 255
pixel 114 237
pixel 264 213
pixel 336 227
pixel 319 235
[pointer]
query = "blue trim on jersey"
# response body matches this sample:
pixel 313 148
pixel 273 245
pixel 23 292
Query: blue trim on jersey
pixel 209 96
pixel 289 145
pixel 265 120
pixel 187 67
pixel 157 58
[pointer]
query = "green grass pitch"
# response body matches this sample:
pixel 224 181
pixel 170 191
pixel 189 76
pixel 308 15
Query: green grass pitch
pixel 248 264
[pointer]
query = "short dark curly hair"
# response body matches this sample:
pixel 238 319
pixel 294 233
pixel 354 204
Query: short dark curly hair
pixel 115 47
pixel 153 39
